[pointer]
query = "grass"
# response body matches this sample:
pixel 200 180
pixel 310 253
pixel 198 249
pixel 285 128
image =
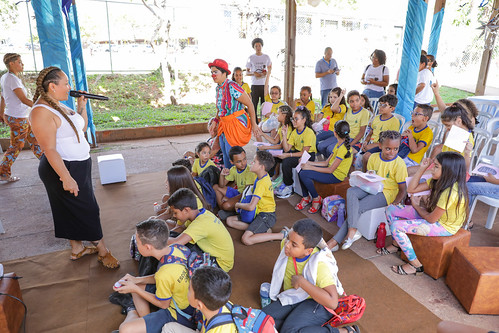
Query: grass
pixel 135 101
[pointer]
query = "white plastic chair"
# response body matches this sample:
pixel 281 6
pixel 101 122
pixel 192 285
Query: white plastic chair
pixel 482 139
pixel 405 127
pixel 375 104
pixel 486 155
pixel 401 119
pixel 483 119
pixel 494 205
pixel 437 129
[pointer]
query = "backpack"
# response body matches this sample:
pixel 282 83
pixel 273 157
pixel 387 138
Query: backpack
pixel 193 261
pixel 247 216
pixel 333 209
pixel 247 320
pixel 207 190
pixel 404 149
pixel 350 309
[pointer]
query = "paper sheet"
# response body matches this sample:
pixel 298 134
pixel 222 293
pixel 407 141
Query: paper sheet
pixel 258 144
pixel 275 152
pixel 483 169
pixel 304 159
pixel 457 138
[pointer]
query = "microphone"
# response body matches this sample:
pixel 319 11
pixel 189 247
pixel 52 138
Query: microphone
pixel 74 93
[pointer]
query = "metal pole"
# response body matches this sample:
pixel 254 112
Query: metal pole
pixel 31 35
pixel 109 39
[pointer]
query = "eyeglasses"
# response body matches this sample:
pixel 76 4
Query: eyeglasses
pixel 417 114
pixel 384 105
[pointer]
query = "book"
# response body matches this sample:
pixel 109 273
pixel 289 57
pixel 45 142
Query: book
pixel 483 169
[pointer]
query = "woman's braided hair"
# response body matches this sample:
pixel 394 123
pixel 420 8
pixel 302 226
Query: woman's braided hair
pixel 10 57
pixel 51 75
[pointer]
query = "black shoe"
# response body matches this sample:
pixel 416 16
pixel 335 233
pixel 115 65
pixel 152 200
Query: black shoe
pixel 123 300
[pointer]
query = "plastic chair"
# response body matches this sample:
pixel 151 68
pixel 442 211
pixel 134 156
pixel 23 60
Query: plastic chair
pixel 482 139
pixel 375 104
pixel 405 127
pixel 483 119
pixel 401 119
pixel 494 205
pixel 486 155
pixel 437 129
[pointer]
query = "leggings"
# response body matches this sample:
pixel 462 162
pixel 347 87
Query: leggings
pixel 20 131
pixel 406 220
pixel 307 178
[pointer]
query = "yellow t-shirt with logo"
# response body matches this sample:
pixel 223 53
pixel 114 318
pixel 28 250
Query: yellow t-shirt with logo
pixel 394 171
pixel 290 130
pixel 379 125
pixel 470 139
pixel 172 281
pixel 334 117
pixel 339 152
pixel 242 179
pixel 454 216
pixel 198 168
pixel 264 190
pixel 209 233
pixel 246 88
pixel 356 120
pixel 306 138
pixel 227 328
pixel 310 106
pixel 425 136
pixel 324 276
pixel 275 106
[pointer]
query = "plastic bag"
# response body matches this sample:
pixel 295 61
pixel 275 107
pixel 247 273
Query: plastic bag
pixel 365 185
pixel 270 124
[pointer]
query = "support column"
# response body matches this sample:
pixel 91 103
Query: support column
pixel 411 54
pixel 289 69
pixel 486 57
pixel 436 26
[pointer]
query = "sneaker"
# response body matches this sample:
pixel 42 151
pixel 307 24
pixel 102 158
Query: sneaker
pixel 350 241
pixel 123 300
pixel 276 182
pixel 286 192
pixel 335 248
pixel 279 189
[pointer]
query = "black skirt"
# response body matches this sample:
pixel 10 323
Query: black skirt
pixel 75 218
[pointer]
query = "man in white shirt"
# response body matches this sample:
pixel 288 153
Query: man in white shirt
pixel 424 94
pixel 256 67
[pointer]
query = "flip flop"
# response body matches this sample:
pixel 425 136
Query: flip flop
pixel 87 250
pixel 10 179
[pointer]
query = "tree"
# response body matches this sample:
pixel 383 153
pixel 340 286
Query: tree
pixel 8 13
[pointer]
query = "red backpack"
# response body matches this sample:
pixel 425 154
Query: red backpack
pixel 349 310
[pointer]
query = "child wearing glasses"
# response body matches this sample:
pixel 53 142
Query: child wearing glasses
pixel 419 135
pixel 384 121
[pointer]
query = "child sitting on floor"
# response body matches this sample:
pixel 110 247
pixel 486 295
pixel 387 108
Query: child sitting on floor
pixel 209 292
pixel 308 278
pixel 386 164
pixel 239 174
pixel 203 151
pixel 334 170
pixel 263 201
pixel 384 121
pixel 167 289
pixel 306 101
pixel 216 154
pixel 203 229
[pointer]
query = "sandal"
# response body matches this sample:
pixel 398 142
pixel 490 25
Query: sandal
pixel 313 210
pixel 87 250
pixel 354 329
pixel 400 270
pixel 303 203
pixel 10 179
pixel 109 261
pixel 384 251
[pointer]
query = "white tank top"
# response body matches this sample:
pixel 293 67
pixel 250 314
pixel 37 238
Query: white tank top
pixel 67 144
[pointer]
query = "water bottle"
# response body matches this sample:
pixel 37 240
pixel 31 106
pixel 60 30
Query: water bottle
pixel 157 207
pixel 326 126
pixel 381 236
pixel 264 294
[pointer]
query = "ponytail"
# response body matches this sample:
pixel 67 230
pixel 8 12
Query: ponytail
pixel 342 129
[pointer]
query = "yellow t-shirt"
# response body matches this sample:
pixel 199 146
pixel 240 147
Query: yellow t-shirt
pixel 227 328
pixel 172 281
pixel 310 106
pixel 242 179
pixel 454 216
pixel 394 172
pixel 209 233
pixel 356 120
pixel 275 106
pixel 306 138
pixel 290 130
pixel 379 125
pixel 264 190
pixel 324 276
pixel 425 136
pixel 339 152
pixel 198 168
pixel 246 88
pixel 470 139
pixel 334 117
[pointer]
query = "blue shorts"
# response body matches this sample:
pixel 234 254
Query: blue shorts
pixel 409 162
pixel 374 150
pixel 156 320
pixel 231 192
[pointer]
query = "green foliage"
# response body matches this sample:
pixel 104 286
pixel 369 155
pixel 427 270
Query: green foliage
pixel 8 12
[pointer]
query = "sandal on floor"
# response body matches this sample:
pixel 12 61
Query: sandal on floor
pixel 109 261
pixel 303 203
pixel 313 210
pixel 400 270
pixel 354 329
pixel 87 250
pixel 384 251
pixel 10 179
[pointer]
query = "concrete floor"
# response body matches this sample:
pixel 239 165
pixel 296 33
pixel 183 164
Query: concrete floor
pixel 26 218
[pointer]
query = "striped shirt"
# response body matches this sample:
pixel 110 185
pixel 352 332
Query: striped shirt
pixel 227 103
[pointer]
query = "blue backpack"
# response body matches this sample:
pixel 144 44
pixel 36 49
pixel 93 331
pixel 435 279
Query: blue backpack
pixel 208 191
pixel 247 320
pixel 247 216
pixel 193 261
